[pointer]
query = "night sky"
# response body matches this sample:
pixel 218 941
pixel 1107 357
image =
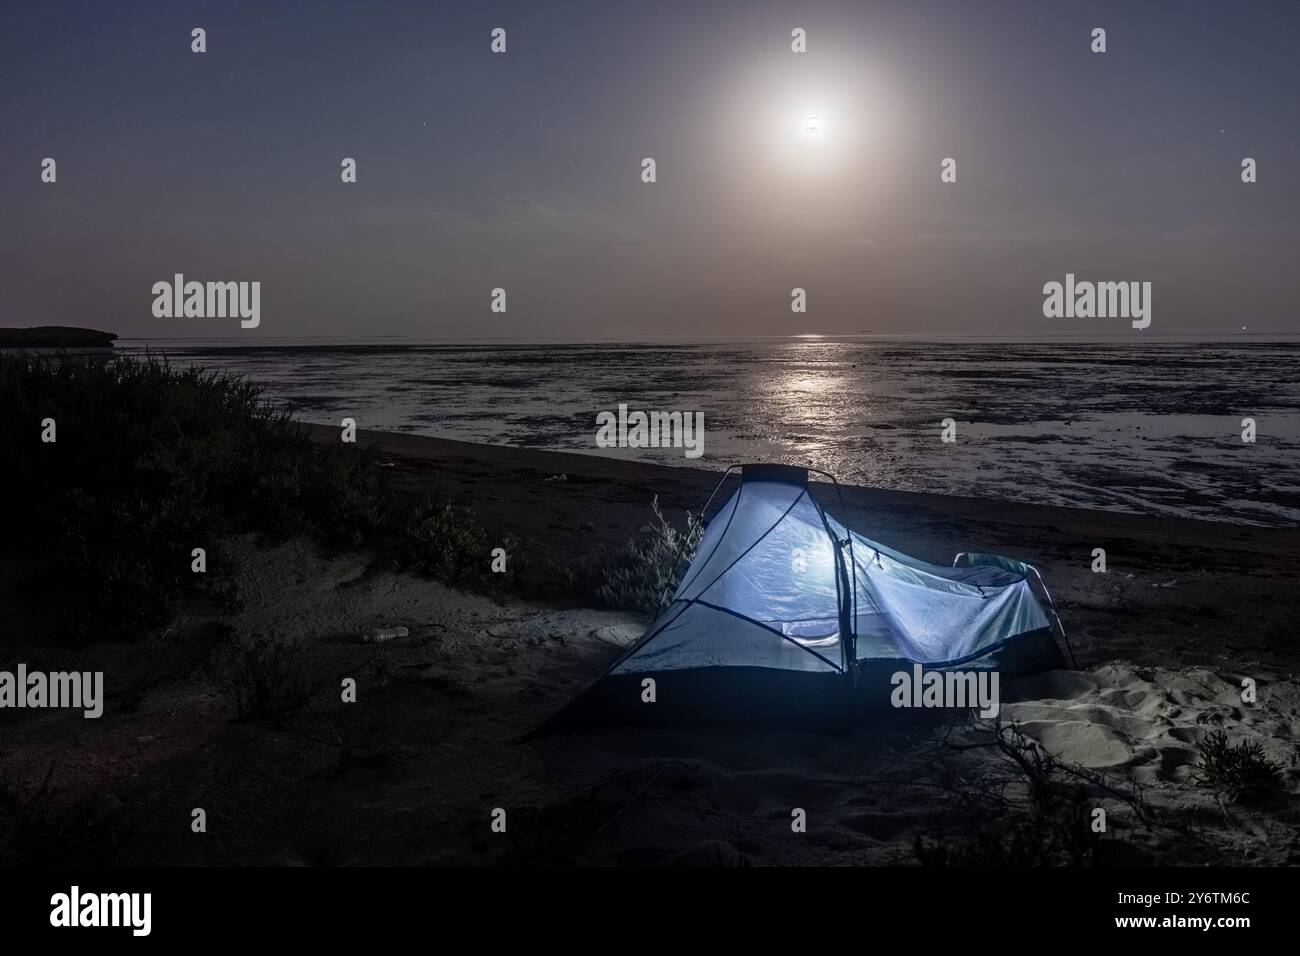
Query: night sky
pixel 523 170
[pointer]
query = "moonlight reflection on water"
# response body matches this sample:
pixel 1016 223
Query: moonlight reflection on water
pixel 1146 427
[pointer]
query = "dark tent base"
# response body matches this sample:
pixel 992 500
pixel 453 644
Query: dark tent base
pixel 766 698
pixel 742 696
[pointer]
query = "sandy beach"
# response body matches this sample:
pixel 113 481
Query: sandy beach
pixel 412 772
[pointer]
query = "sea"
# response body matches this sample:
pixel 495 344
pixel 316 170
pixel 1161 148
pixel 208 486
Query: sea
pixel 1153 427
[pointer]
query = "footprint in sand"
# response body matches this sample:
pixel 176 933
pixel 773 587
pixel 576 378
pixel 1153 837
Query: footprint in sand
pixel 1087 744
pixel 620 635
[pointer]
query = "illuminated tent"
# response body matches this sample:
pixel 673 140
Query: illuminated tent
pixel 786 616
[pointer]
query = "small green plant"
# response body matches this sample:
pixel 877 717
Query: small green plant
pixel 636 576
pixel 440 540
pixel 263 678
pixel 1239 771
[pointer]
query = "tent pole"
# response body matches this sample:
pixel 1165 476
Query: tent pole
pixel 853 566
pixel 847 606
pixel 677 559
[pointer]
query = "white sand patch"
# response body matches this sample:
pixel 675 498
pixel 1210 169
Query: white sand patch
pixel 1090 745
pixel 1149 721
